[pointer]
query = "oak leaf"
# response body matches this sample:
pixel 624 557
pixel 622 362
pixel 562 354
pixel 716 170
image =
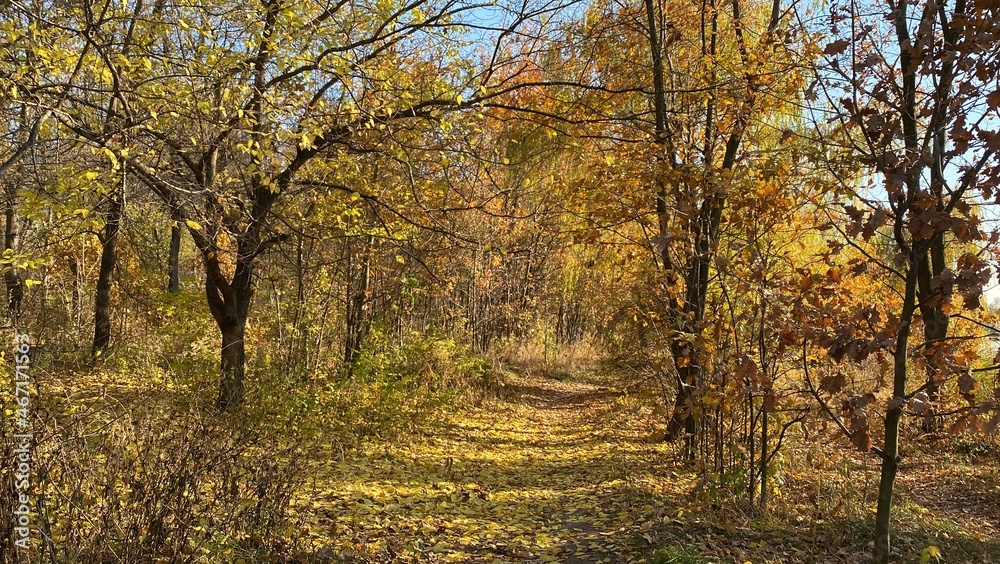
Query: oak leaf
pixel 836 47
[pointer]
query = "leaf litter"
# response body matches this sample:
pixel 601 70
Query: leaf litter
pixel 553 476
pixel 571 471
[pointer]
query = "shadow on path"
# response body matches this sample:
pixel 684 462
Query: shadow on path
pixel 549 475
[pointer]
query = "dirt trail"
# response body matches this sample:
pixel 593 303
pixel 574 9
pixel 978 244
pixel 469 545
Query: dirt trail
pixel 549 476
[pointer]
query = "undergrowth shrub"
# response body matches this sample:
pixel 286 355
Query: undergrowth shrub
pixel 541 353
pixel 131 462
pixel 437 363
pixel 675 554
pixel 134 479
pixel 977 446
pixel 8 491
pixel 397 386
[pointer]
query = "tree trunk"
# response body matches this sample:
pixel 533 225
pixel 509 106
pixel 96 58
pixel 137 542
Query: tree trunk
pixel 683 420
pixel 684 352
pixel 298 347
pixel 357 313
pixel 887 480
pixel 890 450
pixel 683 412
pixel 232 388
pixel 229 304
pixel 935 322
pixel 174 259
pixel 763 456
pixel 917 255
pixel 76 304
pixel 230 315
pixel 109 256
pixel 12 280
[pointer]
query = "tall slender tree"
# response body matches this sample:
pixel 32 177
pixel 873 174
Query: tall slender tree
pixel 692 191
pixel 915 92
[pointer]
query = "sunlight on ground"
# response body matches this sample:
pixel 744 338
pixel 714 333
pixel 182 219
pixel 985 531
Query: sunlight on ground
pixel 545 480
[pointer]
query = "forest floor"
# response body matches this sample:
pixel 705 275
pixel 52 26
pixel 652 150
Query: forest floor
pixel 541 475
pixel 563 470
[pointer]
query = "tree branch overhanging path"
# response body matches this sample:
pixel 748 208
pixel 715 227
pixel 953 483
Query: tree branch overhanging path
pixel 189 185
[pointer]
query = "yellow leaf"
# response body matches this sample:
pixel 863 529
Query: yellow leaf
pixel 194 225
pixel 307 141
pixel 712 400
pixel 929 553
pixel 111 156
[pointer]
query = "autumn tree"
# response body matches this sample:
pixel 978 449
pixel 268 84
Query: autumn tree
pixel 222 112
pixel 913 86
pixel 701 197
pixel 697 94
pixel 22 126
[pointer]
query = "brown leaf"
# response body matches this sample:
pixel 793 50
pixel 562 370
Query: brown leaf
pixel 770 403
pixel 968 386
pixel 993 99
pixel 836 47
pixel 789 337
pixel 993 424
pixel 833 384
pixel 896 403
pixel 862 439
pixel 747 371
pixel 860 402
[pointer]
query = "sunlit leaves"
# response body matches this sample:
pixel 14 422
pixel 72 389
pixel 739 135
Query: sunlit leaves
pixel 522 493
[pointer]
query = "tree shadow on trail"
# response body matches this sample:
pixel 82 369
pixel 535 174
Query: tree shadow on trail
pixel 558 396
pixel 546 477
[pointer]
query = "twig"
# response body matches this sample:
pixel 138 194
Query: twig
pixel 826 408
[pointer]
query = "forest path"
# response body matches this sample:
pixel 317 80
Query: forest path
pixel 548 475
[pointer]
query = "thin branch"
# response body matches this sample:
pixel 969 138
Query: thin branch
pixel 833 416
